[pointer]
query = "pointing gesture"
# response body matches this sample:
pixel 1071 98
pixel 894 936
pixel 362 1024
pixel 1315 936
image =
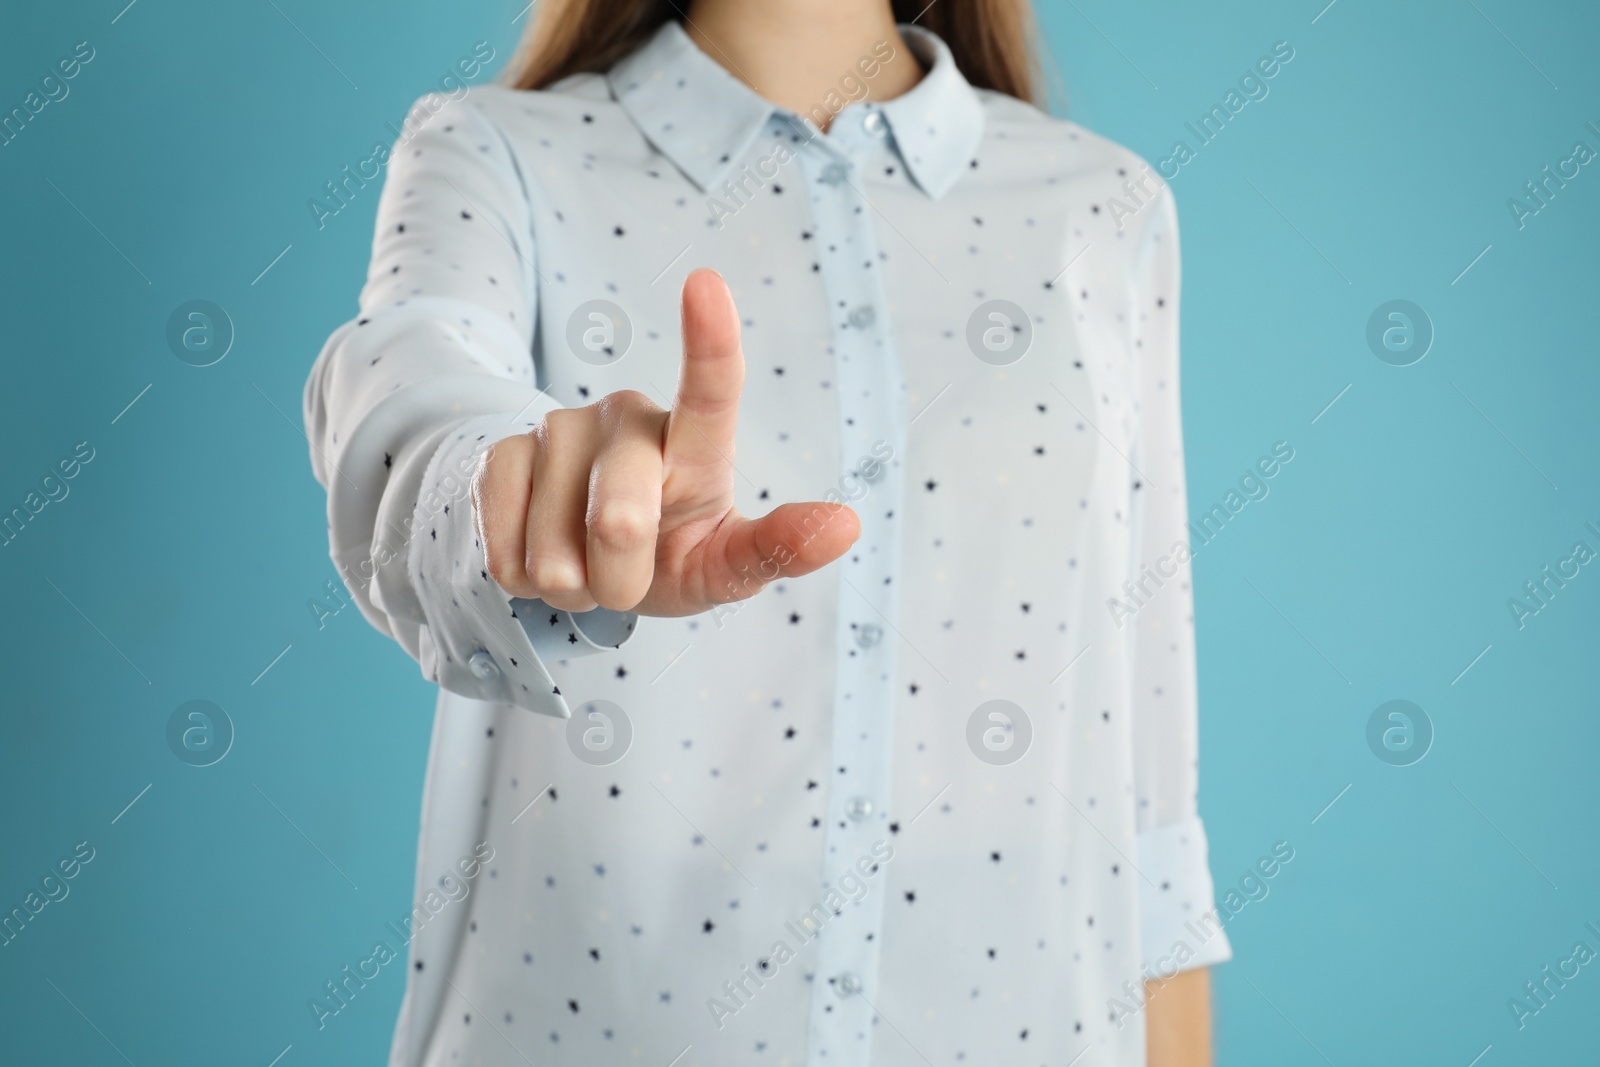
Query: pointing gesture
pixel 624 506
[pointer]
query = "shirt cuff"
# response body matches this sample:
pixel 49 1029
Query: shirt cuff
pixel 477 640
pixel 1179 925
pixel 559 635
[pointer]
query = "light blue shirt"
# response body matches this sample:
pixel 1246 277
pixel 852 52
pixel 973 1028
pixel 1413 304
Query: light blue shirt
pixel 934 803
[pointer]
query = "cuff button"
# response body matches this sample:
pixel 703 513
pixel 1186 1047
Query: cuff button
pixel 483 665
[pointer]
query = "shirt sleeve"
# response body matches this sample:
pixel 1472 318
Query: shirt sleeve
pixel 1179 926
pixel 405 399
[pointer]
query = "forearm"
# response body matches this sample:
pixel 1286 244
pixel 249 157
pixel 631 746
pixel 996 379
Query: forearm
pixel 1178 1020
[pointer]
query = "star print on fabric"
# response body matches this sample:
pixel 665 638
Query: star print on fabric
pixel 989 519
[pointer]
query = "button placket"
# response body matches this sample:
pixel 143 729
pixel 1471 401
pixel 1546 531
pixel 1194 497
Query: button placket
pixel 871 396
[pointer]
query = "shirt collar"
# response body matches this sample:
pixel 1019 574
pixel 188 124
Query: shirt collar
pixel 939 123
pixel 704 119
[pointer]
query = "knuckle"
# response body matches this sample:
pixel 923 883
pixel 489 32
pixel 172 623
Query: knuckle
pixel 505 450
pixel 494 459
pixel 622 524
pixel 562 440
pixel 564 422
pixel 554 576
pixel 501 569
pixel 620 598
pixel 625 407
pixel 628 401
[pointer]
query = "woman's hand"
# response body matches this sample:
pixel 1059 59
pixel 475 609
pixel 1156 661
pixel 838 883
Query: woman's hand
pixel 625 506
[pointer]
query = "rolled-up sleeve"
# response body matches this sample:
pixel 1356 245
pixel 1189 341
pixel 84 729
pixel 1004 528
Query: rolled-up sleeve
pixel 405 399
pixel 1179 929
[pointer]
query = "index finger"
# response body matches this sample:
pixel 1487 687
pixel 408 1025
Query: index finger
pixel 705 411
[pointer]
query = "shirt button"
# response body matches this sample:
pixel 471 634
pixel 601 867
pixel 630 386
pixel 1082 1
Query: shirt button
pixel 872 472
pixel 833 174
pixel 863 316
pixel 868 634
pixel 873 123
pixel 858 808
pixel 483 665
pixel 847 984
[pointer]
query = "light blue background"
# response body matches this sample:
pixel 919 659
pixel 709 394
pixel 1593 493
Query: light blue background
pixel 1379 566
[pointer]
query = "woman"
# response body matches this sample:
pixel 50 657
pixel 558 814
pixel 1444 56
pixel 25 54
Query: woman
pixel 934 804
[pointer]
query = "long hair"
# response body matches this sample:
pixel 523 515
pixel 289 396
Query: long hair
pixel 991 40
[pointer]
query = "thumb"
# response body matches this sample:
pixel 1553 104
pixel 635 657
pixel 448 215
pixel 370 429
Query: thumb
pixel 790 540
